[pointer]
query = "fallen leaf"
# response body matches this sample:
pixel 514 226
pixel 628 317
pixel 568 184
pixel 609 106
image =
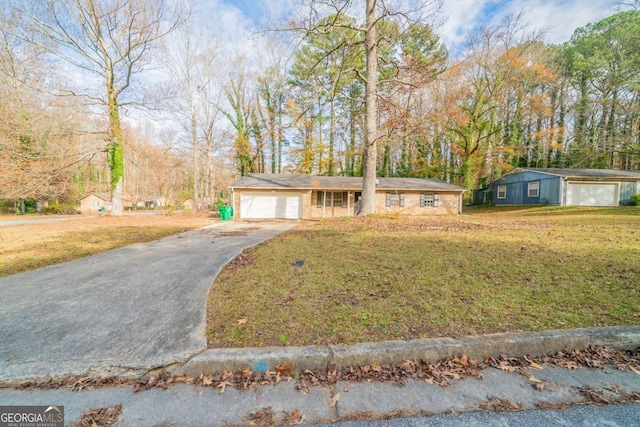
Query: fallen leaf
pixel 451 375
pixel 534 379
pixel 284 368
pixel 223 386
pixel 533 364
pixel 569 364
pixel 504 366
pixel 242 321
pixel 464 360
pixel 183 379
pixel 294 418
pixel 497 404
pixel 334 400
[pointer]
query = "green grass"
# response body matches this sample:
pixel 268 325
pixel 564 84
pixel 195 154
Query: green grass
pixel 378 278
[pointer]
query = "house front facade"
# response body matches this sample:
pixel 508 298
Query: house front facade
pixel 565 187
pixel 298 196
pixel 95 203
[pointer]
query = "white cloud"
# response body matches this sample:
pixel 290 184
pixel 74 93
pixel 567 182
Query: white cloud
pixel 559 18
pixel 562 18
pixel 460 17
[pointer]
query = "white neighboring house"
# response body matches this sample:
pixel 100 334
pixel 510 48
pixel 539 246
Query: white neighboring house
pixel 153 202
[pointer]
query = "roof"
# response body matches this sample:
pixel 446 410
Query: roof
pixel 104 196
pixel 269 181
pixel 585 173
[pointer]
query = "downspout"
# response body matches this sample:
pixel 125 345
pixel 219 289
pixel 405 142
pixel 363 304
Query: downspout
pixel 233 200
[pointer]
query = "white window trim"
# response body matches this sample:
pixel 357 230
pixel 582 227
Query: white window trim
pixel 332 199
pixel 504 196
pixel 432 203
pixel 530 189
pixel 399 199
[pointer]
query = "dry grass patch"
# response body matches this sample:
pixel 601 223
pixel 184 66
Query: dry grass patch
pixel 377 278
pixel 30 246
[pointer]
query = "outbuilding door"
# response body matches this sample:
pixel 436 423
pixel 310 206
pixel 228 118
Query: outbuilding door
pixel 592 194
pixel 270 206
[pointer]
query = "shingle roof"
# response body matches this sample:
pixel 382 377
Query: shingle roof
pixel 586 173
pixel 308 182
pixel 104 196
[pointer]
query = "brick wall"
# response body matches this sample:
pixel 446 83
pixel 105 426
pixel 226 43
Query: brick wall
pixel 448 204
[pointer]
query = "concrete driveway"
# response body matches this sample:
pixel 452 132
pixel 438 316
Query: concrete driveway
pixel 122 311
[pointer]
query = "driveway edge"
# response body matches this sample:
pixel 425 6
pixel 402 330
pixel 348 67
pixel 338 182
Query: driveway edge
pixel 317 358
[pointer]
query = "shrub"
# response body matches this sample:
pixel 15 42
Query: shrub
pixel 61 209
pixel 634 200
pixel 7 207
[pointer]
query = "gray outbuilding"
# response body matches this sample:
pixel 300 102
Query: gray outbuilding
pixel 565 187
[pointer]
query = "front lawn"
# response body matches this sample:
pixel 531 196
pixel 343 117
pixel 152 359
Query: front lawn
pixel 492 270
pixel 30 246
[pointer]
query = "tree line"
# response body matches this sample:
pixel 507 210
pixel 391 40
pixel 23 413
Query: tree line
pixel 362 94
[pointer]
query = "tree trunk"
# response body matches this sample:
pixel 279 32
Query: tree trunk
pixel 371 132
pixel 273 134
pixel 196 169
pixel 280 138
pixel 115 150
pixel 332 136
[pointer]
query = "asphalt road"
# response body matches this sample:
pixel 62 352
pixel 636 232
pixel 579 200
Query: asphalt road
pixel 12 222
pixel 121 311
pixel 627 415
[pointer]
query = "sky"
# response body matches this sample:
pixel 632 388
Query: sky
pixel 558 18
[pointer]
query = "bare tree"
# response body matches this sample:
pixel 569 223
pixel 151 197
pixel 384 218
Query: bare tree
pixel 42 142
pixel 193 101
pixel 108 39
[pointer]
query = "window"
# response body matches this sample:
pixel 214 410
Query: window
pixel 534 189
pixel 502 191
pixel 395 200
pixel 429 200
pixel 333 199
pixel 96 203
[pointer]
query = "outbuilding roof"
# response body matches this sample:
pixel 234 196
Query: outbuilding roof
pixel 104 196
pixel 585 173
pixel 269 181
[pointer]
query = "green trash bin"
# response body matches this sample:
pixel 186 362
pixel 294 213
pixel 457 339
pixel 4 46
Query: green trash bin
pixel 225 213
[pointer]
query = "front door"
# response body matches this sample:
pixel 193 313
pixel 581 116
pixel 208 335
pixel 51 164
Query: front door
pixel 358 204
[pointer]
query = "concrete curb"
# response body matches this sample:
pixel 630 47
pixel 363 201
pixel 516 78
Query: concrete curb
pixel 318 358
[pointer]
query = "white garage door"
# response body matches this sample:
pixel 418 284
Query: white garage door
pixel 592 194
pixel 270 206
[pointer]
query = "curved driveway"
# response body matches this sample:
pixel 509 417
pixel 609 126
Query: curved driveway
pixel 126 310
